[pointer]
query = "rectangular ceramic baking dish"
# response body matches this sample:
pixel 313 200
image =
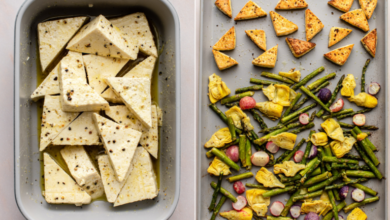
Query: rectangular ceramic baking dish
pixel 27 167
pixel 214 24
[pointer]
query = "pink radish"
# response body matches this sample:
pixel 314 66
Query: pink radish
pixel 304 118
pixel 271 147
pixel 312 216
pixel 295 211
pixel 298 156
pixel 239 187
pixel 276 208
pixel 240 204
pixel 359 119
pixel 260 158
pixel 247 103
pixel 232 153
pixel 337 106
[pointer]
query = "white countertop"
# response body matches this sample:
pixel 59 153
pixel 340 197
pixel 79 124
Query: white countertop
pixel 186 10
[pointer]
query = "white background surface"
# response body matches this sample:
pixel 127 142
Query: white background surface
pixel 186 11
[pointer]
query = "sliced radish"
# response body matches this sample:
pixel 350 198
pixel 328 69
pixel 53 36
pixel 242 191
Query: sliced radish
pixel 233 153
pixel 276 208
pixel 359 119
pixel 337 106
pixel 373 88
pixel 304 118
pixel 260 158
pixel 358 195
pixel 295 211
pixel 271 147
pixel 343 192
pixel 240 204
pixel 298 156
pixel 313 152
pixel 247 103
pixel 340 218
pixel 312 216
pixel 239 187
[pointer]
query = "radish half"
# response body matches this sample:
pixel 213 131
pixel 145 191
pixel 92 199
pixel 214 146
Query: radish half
pixel 260 158
pixel 358 195
pixel 304 118
pixel 298 156
pixel 295 211
pixel 239 187
pixel 271 147
pixel 240 204
pixel 359 119
pixel 276 208
pixel 337 106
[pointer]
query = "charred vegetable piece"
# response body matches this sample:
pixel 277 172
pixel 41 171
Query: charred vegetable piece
pixel 216 210
pixel 368 161
pixel 258 118
pixel 215 194
pixel 366 146
pixel 232 129
pixel 242 150
pixel 308 78
pixel 363 83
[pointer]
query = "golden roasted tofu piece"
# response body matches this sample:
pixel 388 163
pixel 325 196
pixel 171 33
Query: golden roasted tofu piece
pixel 267 59
pixel 340 55
pixel 370 41
pixel 319 139
pixel 219 138
pixel 356 18
pixel 313 24
pixel 333 129
pixel 227 41
pixel 288 168
pixel 282 25
pixel 291 4
pixel 340 149
pixel 218 166
pixel 364 100
pixel 225 6
pixel 349 85
pixel 368 6
pixel 284 140
pixel 217 88
pixel 336 34
pixel 299 47
pixel 270 109
pixel 258 37
pixel 249 11
pixel 268 179
pixel 342 5
pixel 223 61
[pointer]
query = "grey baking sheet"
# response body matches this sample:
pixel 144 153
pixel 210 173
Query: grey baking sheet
pixel 214 24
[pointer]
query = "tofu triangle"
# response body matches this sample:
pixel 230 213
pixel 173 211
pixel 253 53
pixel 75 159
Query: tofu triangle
pixel 356 18
pixel 223 61
pixel 53 37
pixel 227 41
pixel 60 188
pixel 258 37
pixel 54 120
pixel 337 34
pixel 135 93
pixel 368 7
pixel 225 6
pixel 141 183
pixel 342 5
pixel 49 86
pixel 267 59
pixel 76 94
pixel 100 37
pixel 313 24
pixel 81 131
pixel 249 11
pixel 282 25
pixel 120 143
pixel 370 41
pixel 299 47
pixel 291 4
pixel 98 68
pixel 340 55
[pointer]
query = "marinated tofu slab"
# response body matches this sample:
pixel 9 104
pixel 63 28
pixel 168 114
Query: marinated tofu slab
pixel 49 86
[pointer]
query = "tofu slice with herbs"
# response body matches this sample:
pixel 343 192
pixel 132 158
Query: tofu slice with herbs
pixel 98 68
pixel 82 131
pixel 49 86
pixel 112 186
pixel 136 26
pixel 141 183
pixel 54 120
pixel 60 188
pixel 101 38
pixel 142 70
pixel 120 143
pixel 149 139
pixel 53 37
pixel 83 170
pixel 76 94
pixel 135 93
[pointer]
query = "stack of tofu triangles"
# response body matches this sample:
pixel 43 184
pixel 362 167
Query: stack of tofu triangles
pixel 78 88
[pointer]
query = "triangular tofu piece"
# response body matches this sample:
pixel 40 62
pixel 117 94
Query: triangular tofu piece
pixel 49 86
pixel 98 68
pixel 120 143
pixel 149 139
pixel 258 37
pixel 267 59
pixel 60 188
pixel 136 26
pixel 313 24
pixel 227 41
pixel 76 94
pixel 368 7
pixel 282 26
pixel 356 18
pixel 223 61
pixel 82 170
pixel 340 55
pixel 291 4
pixel 135 93
pixel 299 47
pixel 337 34
pixel 342 5
pixel 53 37
pixel 54 120
pixel 369 42
pixel 81 131
pixel 225 6
pixel 249 11
pixel 141 183
pixel 100 37
pixel 111 185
